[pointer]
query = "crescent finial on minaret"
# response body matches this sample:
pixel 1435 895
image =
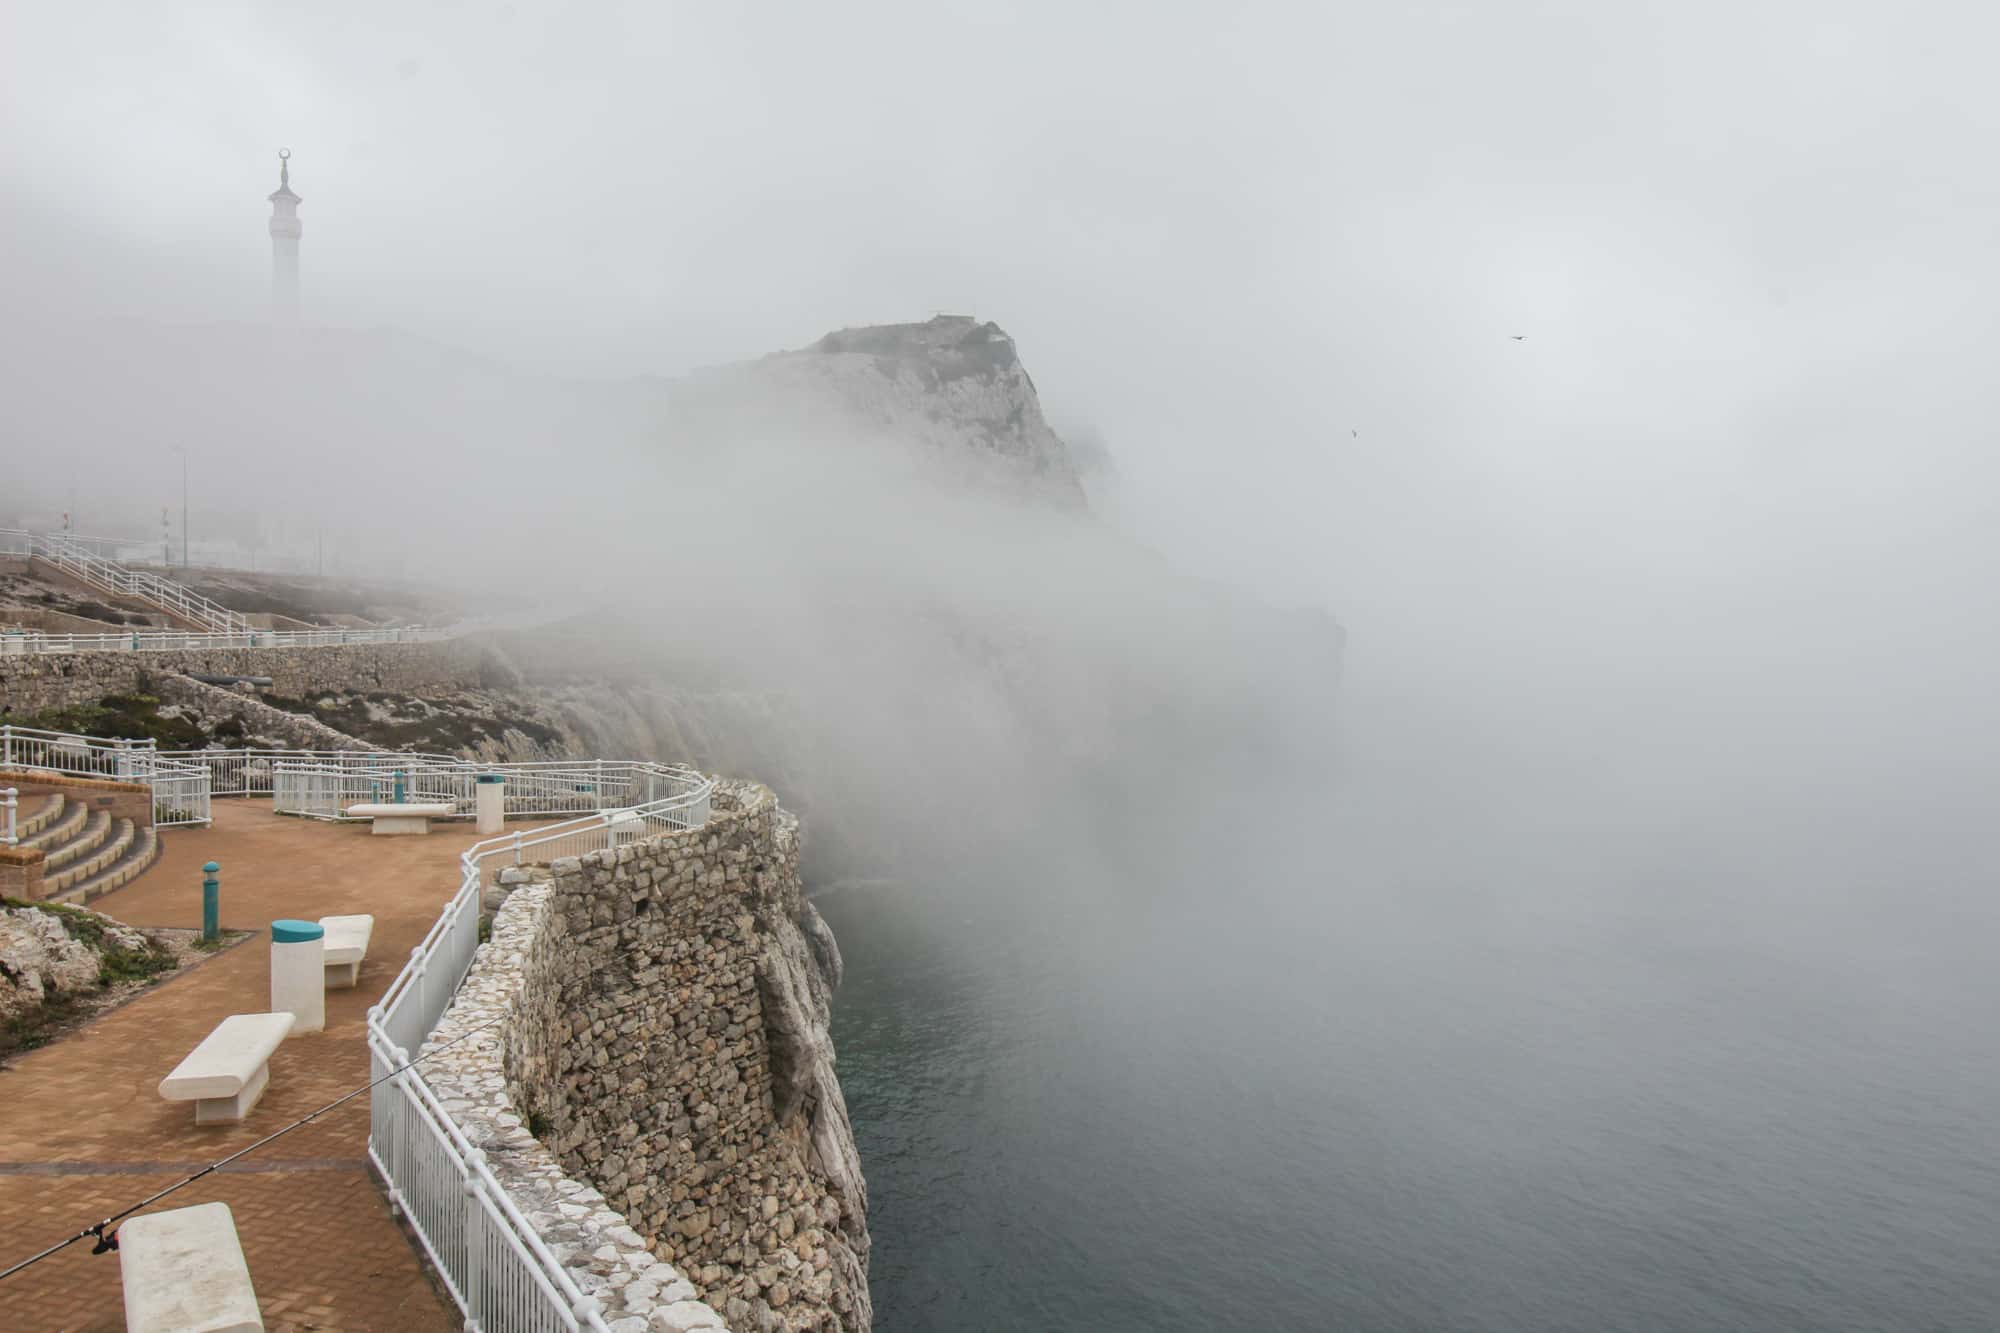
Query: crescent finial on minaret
pixel 284 168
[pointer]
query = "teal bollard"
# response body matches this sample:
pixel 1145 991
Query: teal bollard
pixel 399 786
pixel 211 901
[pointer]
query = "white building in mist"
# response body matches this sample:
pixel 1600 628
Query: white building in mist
pixel 285 230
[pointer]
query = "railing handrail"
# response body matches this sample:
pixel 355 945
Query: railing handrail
pixel 322 785
pixel 172 640
pixel 73 738
pixel 181 786
pixel 71 555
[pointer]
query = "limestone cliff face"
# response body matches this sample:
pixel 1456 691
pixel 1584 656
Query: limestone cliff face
pixel 950 385
pixel 671 1037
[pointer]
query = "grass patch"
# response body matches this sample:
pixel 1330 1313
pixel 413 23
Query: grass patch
pixel 123 717
pixel 39 1026
pixel 412 723
pixel 115 964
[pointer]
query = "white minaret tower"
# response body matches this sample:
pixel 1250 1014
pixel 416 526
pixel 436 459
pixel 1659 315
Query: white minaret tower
pixel 285 245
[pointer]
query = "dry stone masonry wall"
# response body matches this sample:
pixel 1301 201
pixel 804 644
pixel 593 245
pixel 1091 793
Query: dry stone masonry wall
pixel 35 682
pixel 635 1290
pixel 670 1039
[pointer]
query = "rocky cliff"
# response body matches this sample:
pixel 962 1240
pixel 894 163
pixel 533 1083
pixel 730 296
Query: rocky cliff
pixel 951 386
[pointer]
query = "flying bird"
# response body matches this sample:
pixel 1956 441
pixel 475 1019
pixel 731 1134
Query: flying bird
pixel 1518 337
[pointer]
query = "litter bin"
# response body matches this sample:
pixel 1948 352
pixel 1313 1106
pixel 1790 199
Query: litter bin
pixel 298 973
pixel 489 792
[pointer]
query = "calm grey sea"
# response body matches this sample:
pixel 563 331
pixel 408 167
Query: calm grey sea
pixel 1382 1062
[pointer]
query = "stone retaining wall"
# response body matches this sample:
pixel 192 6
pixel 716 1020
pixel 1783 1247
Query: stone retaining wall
pixel 668 1035
pixel 34 682
pixel 636 1291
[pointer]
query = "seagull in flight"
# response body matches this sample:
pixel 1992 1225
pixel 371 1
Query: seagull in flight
pixel 1518 337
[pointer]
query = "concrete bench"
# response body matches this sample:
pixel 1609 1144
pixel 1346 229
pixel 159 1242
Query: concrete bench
pixel 346 945
pixel 410 817
pixel 183 1269
pixel 625 826
pixel 227 1073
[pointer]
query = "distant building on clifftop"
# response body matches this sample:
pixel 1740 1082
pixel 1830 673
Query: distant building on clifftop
pixel 285 230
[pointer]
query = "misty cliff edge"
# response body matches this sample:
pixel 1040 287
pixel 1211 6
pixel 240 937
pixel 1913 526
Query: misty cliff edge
pixel 951 386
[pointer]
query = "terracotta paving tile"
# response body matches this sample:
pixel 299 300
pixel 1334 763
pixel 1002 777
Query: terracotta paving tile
pixel 83 1130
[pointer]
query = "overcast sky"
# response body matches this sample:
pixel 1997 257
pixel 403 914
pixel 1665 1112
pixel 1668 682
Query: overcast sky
pixel 1274 252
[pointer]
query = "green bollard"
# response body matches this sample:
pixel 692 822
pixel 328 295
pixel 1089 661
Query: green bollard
pixel 211 901
pixel 399 786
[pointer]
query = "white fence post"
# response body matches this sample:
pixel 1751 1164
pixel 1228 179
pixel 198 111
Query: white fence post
pixel 475 1311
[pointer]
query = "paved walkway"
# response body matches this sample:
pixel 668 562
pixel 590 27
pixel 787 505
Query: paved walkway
pixel 83 1130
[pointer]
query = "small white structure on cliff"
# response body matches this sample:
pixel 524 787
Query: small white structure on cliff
pixel 285 228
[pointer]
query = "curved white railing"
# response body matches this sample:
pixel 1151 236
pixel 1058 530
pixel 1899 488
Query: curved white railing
pixel 498 1269
pixel 85 558
pixel 181 787
pixel 490 1258
pixel 74 557
pixel 172 640
pixel 20 541
pixel 321 785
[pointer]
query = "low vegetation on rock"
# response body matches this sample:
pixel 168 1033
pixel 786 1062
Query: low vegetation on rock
pixel 57 962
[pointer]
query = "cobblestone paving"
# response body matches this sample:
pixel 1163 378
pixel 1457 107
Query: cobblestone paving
pixel 83 1130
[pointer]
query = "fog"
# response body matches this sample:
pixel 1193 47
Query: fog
pixel 1616 376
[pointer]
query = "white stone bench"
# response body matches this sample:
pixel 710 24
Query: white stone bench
pixel 183 1269
pixel 346 945
pixel 227 1073
pixel 410 817
pixel 625 826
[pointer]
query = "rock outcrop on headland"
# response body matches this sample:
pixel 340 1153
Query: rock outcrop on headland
pixel 951 386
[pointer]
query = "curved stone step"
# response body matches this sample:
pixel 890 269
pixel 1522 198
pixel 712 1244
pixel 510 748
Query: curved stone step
pixel 71 823
pixel 138 858
pixel 31 818
pixel 96 828
pixel 84 867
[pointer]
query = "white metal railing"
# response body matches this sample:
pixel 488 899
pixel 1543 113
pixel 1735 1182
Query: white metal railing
pixel 20 541
pixel 321 785
pixel 180 787
pixel 243 771
pixel 490 1257
pixel 159 641
pixel 78 559
pixel 65 752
